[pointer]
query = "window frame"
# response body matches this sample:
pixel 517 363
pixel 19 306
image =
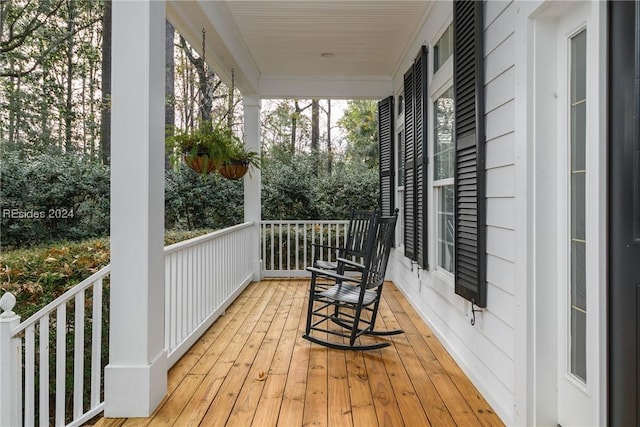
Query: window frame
pixel 436 49
pixel 437 186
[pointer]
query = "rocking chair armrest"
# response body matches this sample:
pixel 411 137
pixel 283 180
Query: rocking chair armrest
pixel 332 274
pixel 350 263
pixel 320 245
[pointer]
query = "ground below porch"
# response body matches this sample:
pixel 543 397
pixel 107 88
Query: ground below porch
pixel 253 368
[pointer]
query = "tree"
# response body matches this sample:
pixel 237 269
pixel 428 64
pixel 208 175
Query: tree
pixel 105 106
pixel 169 86
pixel 315 135
pixel 329 148
pixel 50 74
pixel 206 79
pixel 360 121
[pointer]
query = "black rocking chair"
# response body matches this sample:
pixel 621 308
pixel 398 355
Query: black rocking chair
pixel 348 307
pixel 354 248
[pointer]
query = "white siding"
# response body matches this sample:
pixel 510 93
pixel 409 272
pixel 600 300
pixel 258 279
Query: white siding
pixel 499 95
pixel 485 351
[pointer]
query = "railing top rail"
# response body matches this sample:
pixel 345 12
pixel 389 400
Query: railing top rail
pixel 201 239
pixel 47 309
pixel 307 222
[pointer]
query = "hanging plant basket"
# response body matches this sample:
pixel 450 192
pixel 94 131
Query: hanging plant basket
pixel 200 164
pixel 234 169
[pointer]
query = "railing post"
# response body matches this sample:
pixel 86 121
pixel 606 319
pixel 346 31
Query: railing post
pixel 10 393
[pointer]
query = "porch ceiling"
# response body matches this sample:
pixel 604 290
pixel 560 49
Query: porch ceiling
pixel 276 47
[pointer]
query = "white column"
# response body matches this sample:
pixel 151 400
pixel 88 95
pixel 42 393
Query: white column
pixel 10 365
pixel 136 377
pixel 253 181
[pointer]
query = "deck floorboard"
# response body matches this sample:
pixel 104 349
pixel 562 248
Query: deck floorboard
pixel 253 368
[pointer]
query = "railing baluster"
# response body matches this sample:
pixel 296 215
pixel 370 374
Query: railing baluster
pixel 44 371
pixel 29 375
pixel 297 233
pixel 61 356
pixel 280 246
pixel 288 245
pixel 272 247
pixel 78 355
pixel 96 343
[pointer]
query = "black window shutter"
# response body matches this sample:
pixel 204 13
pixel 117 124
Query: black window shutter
pixel 415 168
pixel 421 158
pixel 409 168
pixel 387 167
pixel 468 81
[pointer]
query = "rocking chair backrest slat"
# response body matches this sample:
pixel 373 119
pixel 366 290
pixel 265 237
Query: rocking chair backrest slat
pixel 380 249
pixel 359 225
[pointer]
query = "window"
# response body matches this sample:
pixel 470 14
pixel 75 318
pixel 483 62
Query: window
pixel 578 172
pixel 443 157
pixel 443 49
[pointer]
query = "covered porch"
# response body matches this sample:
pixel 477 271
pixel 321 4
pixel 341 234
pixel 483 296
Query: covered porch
pixel 329 50
pixel 168 359
pixel 251 367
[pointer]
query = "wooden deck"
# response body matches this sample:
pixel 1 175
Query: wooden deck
pixel 252 368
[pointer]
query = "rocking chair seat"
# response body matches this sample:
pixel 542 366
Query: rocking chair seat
pixel 349 294
pixel 326 265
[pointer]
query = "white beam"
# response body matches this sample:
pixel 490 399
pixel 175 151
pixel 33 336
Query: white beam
pixel 321 87
pixel 253 181
pixel 136 377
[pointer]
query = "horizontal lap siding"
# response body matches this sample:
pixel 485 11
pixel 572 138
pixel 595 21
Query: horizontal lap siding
pixel 500 183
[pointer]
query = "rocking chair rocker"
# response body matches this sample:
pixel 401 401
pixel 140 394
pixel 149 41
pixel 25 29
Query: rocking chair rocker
pixel 348 306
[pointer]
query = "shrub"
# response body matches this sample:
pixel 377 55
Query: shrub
pixel 52 197
pixel 291 190
pixel 196 201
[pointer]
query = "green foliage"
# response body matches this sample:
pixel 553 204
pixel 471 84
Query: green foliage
pixel 349 187
pixel 218 143
pixel 39 275
pixel 290 190
pixel 196 201
pixel 360 121
pixel 51 197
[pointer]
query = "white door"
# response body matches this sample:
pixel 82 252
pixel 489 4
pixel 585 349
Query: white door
pixel 579 225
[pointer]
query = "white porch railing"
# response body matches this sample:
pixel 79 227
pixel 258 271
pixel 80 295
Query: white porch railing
pixel 202 278
pixel 42 371
pixel 287 247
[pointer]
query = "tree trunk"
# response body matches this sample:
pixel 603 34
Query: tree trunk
pixel 315 135
pixel 294 125
pixel 329 148
pixel 68 113
pixel 231 101
pixel 105 111
pixel 169 87
pixel 204 79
